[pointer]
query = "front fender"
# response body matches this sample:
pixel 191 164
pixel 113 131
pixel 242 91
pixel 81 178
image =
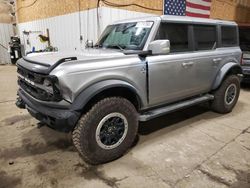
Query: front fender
pixel 223 72
pixel 87 94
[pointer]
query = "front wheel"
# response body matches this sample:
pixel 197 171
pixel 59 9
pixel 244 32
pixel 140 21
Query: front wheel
pixel 226 96
pixel 107 131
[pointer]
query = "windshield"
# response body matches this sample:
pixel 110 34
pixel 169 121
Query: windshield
pixel 125 36
pixel 244 38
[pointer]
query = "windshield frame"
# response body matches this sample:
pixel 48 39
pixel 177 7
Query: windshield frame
pixel 143 44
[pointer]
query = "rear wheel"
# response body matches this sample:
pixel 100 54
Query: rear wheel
pixel 107 131
pixel 226 96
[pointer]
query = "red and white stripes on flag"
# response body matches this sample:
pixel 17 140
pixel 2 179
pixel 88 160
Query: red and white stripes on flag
pixel 198 8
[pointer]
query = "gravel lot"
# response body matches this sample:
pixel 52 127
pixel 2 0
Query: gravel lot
pixel 190 148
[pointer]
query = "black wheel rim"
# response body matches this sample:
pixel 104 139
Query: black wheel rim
pixel 111 130
pixel 230 94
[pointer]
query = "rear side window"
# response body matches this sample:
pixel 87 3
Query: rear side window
pixel 177 34
pixel 204 37
pixel 228 36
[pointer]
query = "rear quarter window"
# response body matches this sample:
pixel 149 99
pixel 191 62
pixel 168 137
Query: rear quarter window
pixel 228 36
pixel 204 37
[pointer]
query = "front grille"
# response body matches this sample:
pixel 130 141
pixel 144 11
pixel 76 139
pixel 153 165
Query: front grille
pixel 32 83
pixel 35 91
pixel 37 78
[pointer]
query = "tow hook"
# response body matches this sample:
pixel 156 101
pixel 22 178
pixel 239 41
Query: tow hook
pixel 20 103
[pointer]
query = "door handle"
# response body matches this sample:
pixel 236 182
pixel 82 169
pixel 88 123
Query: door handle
pixel 188 64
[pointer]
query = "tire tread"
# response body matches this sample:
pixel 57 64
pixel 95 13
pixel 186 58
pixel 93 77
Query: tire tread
pixel 83 125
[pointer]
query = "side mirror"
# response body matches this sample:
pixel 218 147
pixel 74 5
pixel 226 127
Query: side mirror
pixel 89 44
pixel 159 47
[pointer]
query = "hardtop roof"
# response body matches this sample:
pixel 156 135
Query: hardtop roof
pixel 178 19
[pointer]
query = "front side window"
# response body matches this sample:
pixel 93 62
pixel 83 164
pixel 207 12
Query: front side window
pixel 129 36
pixel 204 37
pixel 228 36
pixel 177 34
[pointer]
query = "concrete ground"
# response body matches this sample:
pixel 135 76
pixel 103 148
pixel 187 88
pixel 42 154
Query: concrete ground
pixel 189 148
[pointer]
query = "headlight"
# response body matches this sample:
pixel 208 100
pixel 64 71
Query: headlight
pixel 50 84
pixel 47 82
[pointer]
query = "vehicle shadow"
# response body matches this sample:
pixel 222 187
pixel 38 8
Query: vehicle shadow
pixel 51 140
pixel 44 139
pixel 245 86
pixel 146 128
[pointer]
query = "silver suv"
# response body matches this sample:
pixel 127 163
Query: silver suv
pixel 138 70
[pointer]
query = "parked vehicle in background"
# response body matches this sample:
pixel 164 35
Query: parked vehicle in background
pixel 139 69
pixel 244 34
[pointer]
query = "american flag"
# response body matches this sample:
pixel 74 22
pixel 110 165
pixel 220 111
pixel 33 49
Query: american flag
pixel 193 8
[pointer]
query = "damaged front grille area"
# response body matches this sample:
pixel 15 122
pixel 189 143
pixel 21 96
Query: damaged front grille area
pixel 37 78
pixel 42 87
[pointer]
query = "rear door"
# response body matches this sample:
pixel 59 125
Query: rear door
pixel 207 58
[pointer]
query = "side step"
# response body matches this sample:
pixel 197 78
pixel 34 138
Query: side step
pixel 173 107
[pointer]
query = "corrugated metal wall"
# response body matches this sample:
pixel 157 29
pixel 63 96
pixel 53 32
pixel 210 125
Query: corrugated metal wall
pixel 6 30
pixel 65 30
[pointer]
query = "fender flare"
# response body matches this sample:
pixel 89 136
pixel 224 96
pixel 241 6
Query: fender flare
pixel 87 94
pixel 223 72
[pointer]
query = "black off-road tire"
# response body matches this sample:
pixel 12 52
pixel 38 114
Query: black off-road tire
pixel 84 134
pixel 218 104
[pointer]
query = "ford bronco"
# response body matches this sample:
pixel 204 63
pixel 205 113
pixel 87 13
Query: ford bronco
pixel 138 70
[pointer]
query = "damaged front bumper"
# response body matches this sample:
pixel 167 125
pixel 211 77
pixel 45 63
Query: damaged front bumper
pixel 59 118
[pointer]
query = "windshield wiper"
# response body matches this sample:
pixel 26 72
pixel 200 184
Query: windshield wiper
pixel 97 46
pixel 116 46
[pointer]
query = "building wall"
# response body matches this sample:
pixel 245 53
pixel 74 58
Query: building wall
pixel 6 30
pixel 66 23
pixel 237 10
pixel 41 9
pixel 65 29
pixel 46 8
pixel 5 9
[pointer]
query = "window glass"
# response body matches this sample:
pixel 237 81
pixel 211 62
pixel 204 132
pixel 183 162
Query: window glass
pixel 205 37
pixel 129 36
pixel 244 38
pixel 177 34
pixel 228 36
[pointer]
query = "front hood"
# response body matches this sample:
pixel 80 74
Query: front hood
pixel 52 57
pixel 46 62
